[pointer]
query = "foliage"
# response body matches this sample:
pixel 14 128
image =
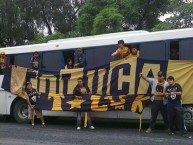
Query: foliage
pixel 163 26
pixel 39 38
pixel 182 14
pixel 107 21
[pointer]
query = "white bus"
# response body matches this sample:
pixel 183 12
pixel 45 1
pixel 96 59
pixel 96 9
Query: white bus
pixel 98 49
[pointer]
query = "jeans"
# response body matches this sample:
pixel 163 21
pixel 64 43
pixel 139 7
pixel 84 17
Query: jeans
pixel 156 106
pixel 175 117
pixel 79 122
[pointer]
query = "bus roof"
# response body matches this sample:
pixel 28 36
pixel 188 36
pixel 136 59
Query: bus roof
pixel 102 40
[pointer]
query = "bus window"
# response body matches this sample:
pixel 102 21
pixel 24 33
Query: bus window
pixel 153 50
pixel 174 50
pixel 51 60
pixel 11 60
pixel 69 54
pixel 186 49
pixel 22 60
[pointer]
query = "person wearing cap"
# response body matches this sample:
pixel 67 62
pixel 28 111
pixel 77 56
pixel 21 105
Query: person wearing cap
pixel 174 107
pixel 32 99
pixel 34 61
pixel 122 51
pixel 80 59
pixel 159 102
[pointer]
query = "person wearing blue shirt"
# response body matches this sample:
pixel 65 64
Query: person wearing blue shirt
pixel 80 59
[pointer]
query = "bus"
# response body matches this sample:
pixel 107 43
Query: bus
pixel 162 45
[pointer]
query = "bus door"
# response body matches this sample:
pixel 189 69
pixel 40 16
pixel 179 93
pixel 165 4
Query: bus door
pixel 3 98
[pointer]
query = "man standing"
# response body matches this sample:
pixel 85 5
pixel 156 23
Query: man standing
pixel 35 61
pixel 175 111
pixel 159 103
pixel 33 96
pixel 79 59
pixel 78 91
pixel 122 51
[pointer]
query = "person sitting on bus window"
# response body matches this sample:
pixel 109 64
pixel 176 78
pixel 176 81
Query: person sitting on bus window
pixel 70 64
pixel 78 91
pixel 134 52
pixel 122 51
pixel 33 96
pixel 159 102
pixel 3 62
pixel 35 61
pixel 80 59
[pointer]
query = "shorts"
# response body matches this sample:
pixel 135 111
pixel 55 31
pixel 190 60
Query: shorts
pixel 31 113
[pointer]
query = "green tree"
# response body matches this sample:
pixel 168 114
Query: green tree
pixel 107 21
pixel 40 38
pixel 13 28
pixel 182 14
pixel 137 14
pixel 163 26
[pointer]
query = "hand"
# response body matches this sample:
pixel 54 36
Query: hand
pixel 32 107
pixel 166 95
pixel 79 97
pixel 75 65
pixel 140 74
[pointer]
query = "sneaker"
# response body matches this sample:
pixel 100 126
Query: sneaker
pixel 91 127
pixel 149 130
pixel 171 133
pixel 186 136
pixel 78 128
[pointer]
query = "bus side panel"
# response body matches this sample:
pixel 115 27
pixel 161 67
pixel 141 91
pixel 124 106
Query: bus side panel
pixel 99 55
pixel 153 50
pixel 186 49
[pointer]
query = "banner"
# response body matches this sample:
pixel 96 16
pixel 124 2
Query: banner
pixel 114 86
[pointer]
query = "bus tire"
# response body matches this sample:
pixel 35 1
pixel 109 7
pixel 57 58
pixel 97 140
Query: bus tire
pixel 188 117
pixel 20 111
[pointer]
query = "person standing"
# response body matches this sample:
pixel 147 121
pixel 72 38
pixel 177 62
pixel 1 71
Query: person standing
pixel 159 102
pixel 122 51
pixel 33 96
pixel 78 91
pixel 34 61
pixel 79 59
pixel 175 110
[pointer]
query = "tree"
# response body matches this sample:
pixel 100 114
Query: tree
pixel 107 21
pixel 163 26
pixel 137 14
pixel 182 14
pixel 40 38
pixel 13 27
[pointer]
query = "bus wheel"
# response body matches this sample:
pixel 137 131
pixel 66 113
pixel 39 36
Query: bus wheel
pixel 20 111
pixel 188 117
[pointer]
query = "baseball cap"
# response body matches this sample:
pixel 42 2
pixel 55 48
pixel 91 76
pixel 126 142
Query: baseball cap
pixel 79 49
pixel 161 73
pixel 27 83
